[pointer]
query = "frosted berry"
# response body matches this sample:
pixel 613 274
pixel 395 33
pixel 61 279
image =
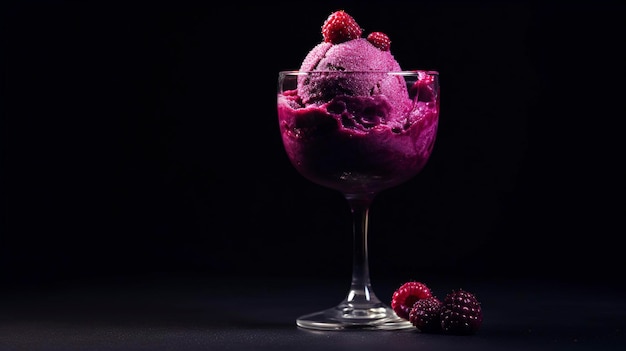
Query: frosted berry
pixel 379 40
pixel 407 295
pixel 340 27
pixel 425 315
pixel 461 313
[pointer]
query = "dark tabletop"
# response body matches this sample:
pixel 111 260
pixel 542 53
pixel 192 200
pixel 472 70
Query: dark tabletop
pixel 198 313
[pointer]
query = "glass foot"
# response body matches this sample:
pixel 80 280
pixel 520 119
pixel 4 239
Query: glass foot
pixel 346 316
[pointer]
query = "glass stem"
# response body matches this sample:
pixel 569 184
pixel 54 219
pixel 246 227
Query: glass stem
pixel 361 292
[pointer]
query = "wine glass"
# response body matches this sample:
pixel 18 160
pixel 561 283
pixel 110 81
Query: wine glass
pixel 358 133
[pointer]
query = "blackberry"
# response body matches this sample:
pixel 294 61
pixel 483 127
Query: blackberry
pixel 425 315
pixel 461 313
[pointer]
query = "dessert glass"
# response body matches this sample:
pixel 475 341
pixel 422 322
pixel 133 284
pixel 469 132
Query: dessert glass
pixel 360 163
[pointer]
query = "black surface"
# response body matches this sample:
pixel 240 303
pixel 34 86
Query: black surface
pixel 127 149
pixel 196 313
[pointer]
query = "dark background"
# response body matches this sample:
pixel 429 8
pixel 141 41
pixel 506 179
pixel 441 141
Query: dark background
pixel 140 138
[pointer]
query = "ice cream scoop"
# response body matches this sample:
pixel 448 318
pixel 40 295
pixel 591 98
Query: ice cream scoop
pixel 357 55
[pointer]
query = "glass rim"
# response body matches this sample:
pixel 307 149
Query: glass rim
pixel 401 73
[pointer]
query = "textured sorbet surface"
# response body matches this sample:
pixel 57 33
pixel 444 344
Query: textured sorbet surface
pixel 360 143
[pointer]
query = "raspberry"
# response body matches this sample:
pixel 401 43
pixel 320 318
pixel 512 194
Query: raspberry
pixel 461 313
pixel 379 40
pixel 340 27
pixel 407 295
pixel 425 315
